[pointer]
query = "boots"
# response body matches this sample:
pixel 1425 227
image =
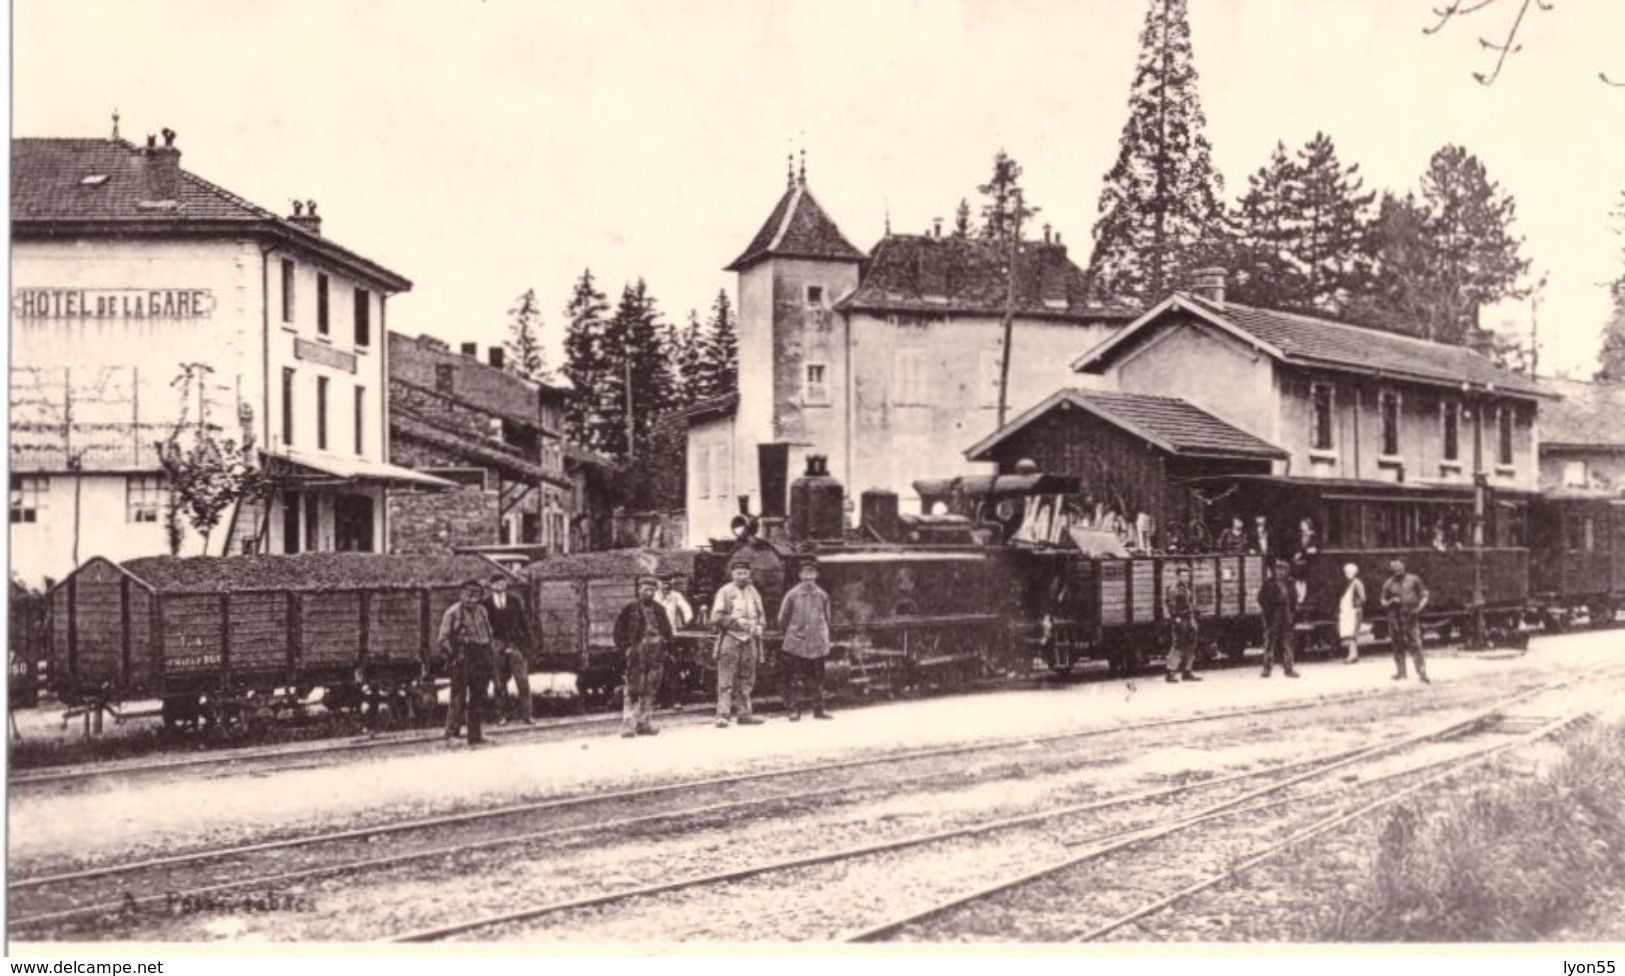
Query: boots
pixel 1172 678
pixel 1190 677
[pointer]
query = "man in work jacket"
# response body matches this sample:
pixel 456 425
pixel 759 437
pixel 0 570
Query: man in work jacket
pixel 804 620
pixel 643 634
pixel 1278 601
pixel 1405 596
pixel 737 615
pixel 465 640
pixel 513 644
pixel 1180 604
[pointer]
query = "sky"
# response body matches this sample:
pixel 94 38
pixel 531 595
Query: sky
pixel 483 148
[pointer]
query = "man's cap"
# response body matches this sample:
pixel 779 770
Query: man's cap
pixel 811 564
pixel 651 580
pixel 474 583
pixel 499 578
pixel 1182 570
pixel 738 564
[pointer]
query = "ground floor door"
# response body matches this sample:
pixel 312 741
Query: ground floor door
pixel 352 523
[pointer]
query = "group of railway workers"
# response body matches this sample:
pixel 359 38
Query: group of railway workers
pixel 1403 597
pixel 486 638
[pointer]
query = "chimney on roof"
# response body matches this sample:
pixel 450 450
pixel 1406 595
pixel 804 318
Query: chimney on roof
pixel 936 223
pixel 1208 283
pixel 1046 233
pixel 304 216
pixel 471 350
pixel 496 357
pixel 160 172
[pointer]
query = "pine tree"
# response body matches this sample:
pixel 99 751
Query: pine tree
pixel 962 224
pixel 1160 210
pixel 1332 251
pixel 1300 233
pixel 687 356
pixel 718 369
pixel 1443 256
pixel 636 367
pixel 584 364
pixel 1006 208
pixel 525 355
pixel 1611 358
pixel 1263 236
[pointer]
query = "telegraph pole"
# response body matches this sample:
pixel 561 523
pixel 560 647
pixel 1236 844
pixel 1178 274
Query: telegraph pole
pixel 1009 309
pixel 1534 326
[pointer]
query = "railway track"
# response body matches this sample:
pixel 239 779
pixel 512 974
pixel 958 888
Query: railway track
pixel 1285 776
pixel 938 918
pixel 58 897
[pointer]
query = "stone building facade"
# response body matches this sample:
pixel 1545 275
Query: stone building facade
pixel 888 362
pixel 498 437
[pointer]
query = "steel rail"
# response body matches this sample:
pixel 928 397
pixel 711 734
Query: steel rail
pixel 1112 842
pixel 20 884
pixel 1322 764
pixel 1472 761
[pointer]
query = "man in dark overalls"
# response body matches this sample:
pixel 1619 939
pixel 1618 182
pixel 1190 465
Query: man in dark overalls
pixel 465 640
pixel 642 633
pixel 1180 605
pixel 1278 601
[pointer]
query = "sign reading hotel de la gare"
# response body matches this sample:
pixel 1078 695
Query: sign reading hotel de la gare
pixel 112 303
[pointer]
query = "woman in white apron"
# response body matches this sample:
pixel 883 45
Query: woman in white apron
pixel 1350 608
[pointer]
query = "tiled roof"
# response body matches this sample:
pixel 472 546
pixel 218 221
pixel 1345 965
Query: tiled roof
pixel 402 424
pixel 58 182
pixel 1590 414
pixel 1169 423
pixel 1311 341
pixel 797 228
pixel 718 406
pixel 929 274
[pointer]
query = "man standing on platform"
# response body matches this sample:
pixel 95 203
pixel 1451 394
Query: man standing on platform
pixel 1180 605
pixel 465 640
pixel 1277 599
pixel 737 615
pixel 513 643
pixel 643 634
pixel 1405 596
pixel 804 620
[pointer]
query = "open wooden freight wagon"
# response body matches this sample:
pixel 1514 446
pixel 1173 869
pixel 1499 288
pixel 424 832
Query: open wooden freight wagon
pixel 212 636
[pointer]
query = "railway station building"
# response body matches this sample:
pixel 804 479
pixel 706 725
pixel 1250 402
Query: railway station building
pixel 145 296
pixel 886 362
pixel 1205 388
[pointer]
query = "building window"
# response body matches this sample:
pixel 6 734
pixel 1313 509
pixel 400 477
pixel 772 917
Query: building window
pixel 911 381
pixel 360 419
pixel 321 304
pixel 1388 411
pixel 321 413
pixel 1503 423
pixel 1576 474
pixel 1451 414
pixel 815 296
pixel 363 317
pixel 444 374
pixel 817 386
pixel 1320 422
pixel 143 497
pixel 702 471
pixel 287 406
pixel 287 290
pixel 27 497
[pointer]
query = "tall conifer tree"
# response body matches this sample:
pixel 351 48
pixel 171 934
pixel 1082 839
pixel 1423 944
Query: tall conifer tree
pixel 719 362
pixel 1002 191
pixel 1611 358
pixel 584 360
pixel 1161 214
pixel 524 343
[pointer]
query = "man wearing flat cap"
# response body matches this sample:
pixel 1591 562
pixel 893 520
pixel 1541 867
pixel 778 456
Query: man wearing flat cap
pixel 737 615
pixel 465 640
pixel 643 634
pixel 804 621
